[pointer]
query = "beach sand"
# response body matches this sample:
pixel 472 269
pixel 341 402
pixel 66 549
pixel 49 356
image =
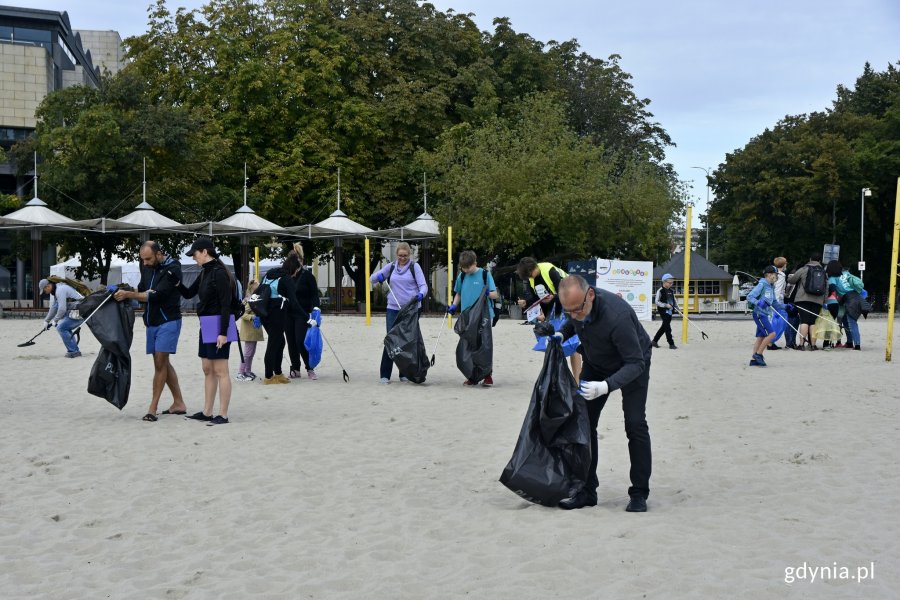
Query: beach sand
pixel 326 489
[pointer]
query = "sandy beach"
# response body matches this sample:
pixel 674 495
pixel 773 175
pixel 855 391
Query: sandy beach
pixel 326 489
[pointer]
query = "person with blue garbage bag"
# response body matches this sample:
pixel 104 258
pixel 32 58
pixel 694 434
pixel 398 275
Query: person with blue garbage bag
pixel 665 304
pixel 766 307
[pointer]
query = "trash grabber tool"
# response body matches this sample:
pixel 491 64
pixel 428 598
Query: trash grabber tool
pixel 788 323
pixel 818 316
pixel 31 341
pixel 391 291
pixel 438 341
pixel 346 376
pixel 77 330
pixel 702 333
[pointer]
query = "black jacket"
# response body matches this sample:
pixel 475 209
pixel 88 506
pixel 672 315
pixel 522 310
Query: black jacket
pixel 164 302
pixel 615 345
pixel 307 290
pixel 214 290
pixel 287 289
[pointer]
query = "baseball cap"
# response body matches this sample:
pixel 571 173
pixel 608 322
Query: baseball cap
pixel 666 277
pixel 202 243
pixel 770 269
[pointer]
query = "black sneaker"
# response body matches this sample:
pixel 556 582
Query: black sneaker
pixel 637 504
pixel 218 420
pixel 655 344
pixel 673 347
pixel 199 416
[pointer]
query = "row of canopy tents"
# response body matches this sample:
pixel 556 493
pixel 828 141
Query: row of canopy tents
pixel 37 217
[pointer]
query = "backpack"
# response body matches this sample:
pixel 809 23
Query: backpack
pixel 79 286
pixel 265 292
pixel 816 282
pixel 855 282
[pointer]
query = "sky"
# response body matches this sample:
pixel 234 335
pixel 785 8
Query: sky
pixel 717 72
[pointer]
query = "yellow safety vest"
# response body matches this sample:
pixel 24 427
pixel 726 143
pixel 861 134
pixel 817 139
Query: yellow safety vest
pixel 545 269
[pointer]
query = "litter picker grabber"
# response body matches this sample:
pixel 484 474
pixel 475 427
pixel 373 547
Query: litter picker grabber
pixel 438 341
pixel 77 330
pixel 346 376
pixel 788 323
pixel 819 316
pixel 31 341
pixel 702 333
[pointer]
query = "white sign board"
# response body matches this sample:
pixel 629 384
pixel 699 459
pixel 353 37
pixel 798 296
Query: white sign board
pixel 831 252
pixel 861 266
pixel 630 280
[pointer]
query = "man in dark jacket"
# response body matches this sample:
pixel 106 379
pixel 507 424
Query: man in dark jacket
pixel 162 316
pixel 616 355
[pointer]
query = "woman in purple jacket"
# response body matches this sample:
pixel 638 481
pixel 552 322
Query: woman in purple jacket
pixel 406 281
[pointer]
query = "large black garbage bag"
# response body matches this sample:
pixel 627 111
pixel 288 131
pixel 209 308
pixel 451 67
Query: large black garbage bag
pixel 553 453
pixel 113 326
pixel 475 350
pixel 405 346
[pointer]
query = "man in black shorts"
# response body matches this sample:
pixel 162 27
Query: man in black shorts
pixel 808 304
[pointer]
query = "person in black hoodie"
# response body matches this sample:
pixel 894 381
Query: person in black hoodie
pixel 283 303
pixel 665 304
pixel 162 316
pixel 298 321
pixel 214 289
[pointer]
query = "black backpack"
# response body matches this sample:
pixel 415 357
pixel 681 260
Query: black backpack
pixel 259 300
pixel 816 282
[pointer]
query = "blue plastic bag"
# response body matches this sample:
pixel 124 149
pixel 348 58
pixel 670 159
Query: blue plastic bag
pixel 779 324
pixel 569 346
pixel 313 341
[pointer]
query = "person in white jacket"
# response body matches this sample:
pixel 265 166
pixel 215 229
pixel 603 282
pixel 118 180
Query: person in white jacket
pixel 63 313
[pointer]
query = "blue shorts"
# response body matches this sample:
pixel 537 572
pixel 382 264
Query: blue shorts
pixel 163 338
pixel 763 325
pixel 211 352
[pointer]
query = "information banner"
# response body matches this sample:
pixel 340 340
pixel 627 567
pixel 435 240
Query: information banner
pixel 630 280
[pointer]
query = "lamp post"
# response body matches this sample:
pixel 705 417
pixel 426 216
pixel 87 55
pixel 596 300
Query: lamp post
pixel 866 192
pixel 705 170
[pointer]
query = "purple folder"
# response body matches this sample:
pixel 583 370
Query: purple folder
pixel 209 329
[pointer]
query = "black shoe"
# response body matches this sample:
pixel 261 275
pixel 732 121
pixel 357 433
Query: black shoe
pixel 219 420
pixel 579 500
pixel 199 416
pixel 773 347
pixel 654 344
pixel 673 347
pixel 637 504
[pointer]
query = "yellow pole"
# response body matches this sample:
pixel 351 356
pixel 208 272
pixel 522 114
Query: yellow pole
pixel 449 274
pixel 256 261
pixel 687 277
pixel 368 286
pixel 893 294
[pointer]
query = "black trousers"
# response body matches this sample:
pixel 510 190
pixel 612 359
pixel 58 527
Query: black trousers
pixel 665 328
pixel 634 405
pixel 274 323
pixel 295 331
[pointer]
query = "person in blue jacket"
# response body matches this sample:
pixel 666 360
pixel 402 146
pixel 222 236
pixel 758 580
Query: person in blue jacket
pixel 765 304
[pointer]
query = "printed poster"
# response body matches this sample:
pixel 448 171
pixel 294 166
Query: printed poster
pixel 630 280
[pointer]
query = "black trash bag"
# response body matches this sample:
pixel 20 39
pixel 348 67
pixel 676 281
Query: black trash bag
pixel 475 350
pixel 553 453
pixel 113 326
pixel 405 346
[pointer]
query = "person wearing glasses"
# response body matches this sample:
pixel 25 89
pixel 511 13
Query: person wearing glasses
pixel 405 281
pixel 616 353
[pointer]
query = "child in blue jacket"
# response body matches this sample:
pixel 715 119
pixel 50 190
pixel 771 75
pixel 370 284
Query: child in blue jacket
pixel 765 304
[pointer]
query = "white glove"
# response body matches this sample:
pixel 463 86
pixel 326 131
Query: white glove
pixel 312 323
pixel 590 390
pixel 317 308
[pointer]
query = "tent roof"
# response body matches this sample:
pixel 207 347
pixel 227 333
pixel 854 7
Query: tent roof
pixel 35 213
pixel 700 268
pixel 339 221
pixel 144 215
pixel 423 228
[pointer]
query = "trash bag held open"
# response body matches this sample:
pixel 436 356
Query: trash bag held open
pixel 405 346
pixel 112 323
pixel 552 457
pixel 475 350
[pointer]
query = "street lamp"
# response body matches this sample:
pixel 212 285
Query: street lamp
pixel 866 192
pixel 704 169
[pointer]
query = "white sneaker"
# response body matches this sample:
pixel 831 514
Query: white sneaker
pixel 385 381
pixel 243 377
pixel 404 379
pixel 311 374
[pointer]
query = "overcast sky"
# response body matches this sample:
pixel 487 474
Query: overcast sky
pixel 717 72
